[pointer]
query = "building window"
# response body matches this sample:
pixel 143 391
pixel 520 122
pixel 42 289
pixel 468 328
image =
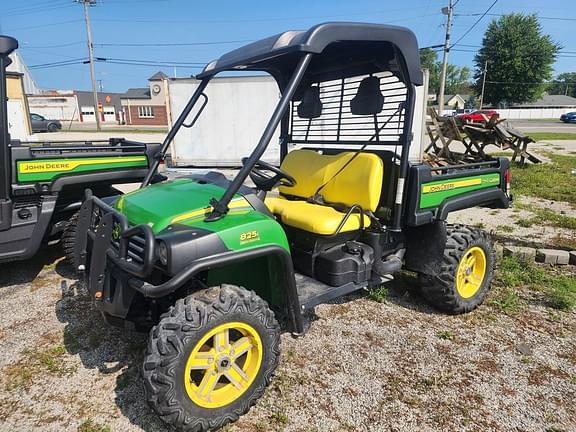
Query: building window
pixel 145 112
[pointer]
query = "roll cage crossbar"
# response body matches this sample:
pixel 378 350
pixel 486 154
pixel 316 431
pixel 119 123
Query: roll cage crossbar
pixel 301 59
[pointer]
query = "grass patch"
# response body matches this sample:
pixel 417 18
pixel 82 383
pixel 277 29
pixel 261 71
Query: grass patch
pixel 446 335
pixel 36 363
pixel 279 417
pixel 545 216
pixel 547 136
pixel 513 273
pixel 91 426
pixel 507 301
pixel 505 228
pixel 379 294
pixel 553 181
pixel 524 222
pixel 562 292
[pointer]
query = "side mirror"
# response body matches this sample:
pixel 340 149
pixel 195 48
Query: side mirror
pixel 7 45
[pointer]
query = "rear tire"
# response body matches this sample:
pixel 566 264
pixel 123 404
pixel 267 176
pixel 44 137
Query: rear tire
pixel 186 349
pixel 465 274
pixel 69 241
pixel 52 127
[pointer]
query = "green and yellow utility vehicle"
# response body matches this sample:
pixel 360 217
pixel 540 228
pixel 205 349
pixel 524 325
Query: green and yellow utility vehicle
pixel 42 184
pixel 213 265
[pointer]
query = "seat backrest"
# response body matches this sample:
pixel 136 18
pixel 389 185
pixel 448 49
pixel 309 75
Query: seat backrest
pixel 360 182
pixel 311 105
pixel 369 99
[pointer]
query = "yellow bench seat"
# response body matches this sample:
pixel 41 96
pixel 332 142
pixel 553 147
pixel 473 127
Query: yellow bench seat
pixel 346 179
pixel 314 218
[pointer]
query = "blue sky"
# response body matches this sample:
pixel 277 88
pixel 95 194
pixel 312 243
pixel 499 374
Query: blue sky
pixel 53 31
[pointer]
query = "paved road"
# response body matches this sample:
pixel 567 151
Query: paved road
pixel 543 126
pixel 93 136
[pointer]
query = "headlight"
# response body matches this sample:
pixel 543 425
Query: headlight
pixel 163 253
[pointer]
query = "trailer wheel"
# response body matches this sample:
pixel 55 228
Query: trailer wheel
pixel 465 273
pixel 210 358
pixel 69 240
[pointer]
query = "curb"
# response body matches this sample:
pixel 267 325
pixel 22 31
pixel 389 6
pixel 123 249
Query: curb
pixel 546 256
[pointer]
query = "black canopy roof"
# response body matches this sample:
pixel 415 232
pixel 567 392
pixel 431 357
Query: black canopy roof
pixel 275 54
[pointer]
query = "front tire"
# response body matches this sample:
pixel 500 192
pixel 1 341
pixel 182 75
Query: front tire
pixel 210 358
pixel 69 241
pixel 465 273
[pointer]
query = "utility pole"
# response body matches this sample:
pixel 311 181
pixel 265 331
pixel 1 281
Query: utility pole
pixel 483 84
pixel 446 11
pixel 87 4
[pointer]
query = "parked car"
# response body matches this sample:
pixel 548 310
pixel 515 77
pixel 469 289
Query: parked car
pixel 42 124
pixel 478 116
pixel 568 117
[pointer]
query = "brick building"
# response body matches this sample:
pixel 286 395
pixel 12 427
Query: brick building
pixel 147 106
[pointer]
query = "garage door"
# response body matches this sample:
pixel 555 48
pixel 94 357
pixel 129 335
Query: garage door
pixel 88 114
pixel 109 114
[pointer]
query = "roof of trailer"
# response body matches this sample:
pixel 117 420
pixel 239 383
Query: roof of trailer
pixel 264 54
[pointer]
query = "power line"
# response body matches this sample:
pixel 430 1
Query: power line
pixel 37 10
pixel 58 63
pixel 151 62
pixel 52 24
pixel 475 23
pixel 539 17
pixel 166 44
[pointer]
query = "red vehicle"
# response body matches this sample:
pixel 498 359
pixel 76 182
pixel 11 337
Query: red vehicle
pixel 478 116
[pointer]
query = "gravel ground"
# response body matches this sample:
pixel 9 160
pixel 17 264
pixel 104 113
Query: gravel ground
pixel 363 365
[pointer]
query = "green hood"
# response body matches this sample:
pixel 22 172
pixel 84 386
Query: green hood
pixel 158 205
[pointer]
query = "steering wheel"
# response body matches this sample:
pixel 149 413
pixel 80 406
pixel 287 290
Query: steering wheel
pixel 266 182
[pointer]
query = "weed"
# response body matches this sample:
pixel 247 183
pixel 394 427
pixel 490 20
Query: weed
pixel 524 223
pixel 90 426
pixel 562 292
pixel 514 271
pixel 280 417
pixel 507 301
pixel 505 228
pixel 35 363
pixel 379 294
pixel 446 335
pixel 480 225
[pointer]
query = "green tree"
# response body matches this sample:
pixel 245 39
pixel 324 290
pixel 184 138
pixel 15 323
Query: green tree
pixel 457 78
pixel 564 83
pixel 429 60
pixel 517 52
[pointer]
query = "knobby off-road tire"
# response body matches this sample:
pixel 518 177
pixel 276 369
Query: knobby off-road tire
pixel 69 240
pixel 463 245
pixel 175 342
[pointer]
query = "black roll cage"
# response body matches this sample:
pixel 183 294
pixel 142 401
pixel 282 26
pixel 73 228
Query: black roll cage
pixel 280 116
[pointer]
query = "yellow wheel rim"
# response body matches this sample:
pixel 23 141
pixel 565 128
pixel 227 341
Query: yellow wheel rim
pixel 471 272
pixel 223 365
